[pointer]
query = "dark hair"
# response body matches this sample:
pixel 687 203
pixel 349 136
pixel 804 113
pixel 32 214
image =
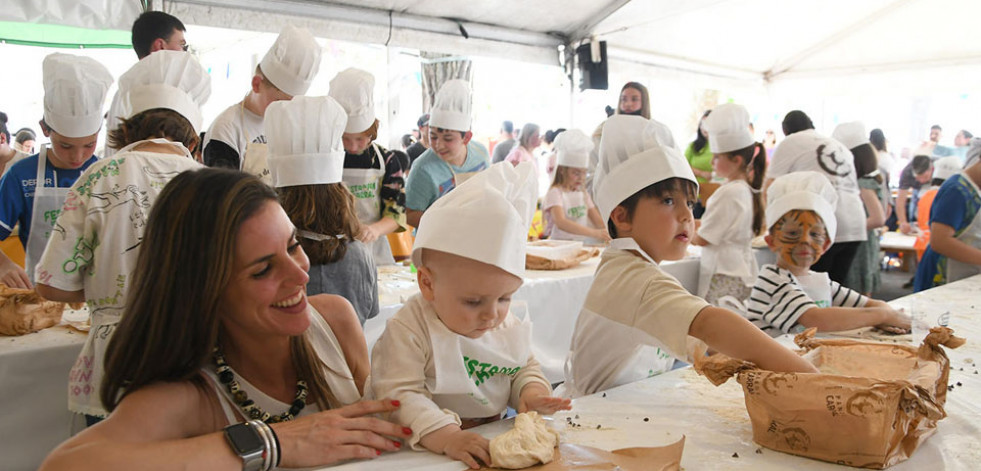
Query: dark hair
pixel 323 209
pixel 171 323
pixel 3 126
pixel 754 164
pixel 655 190
pixel 407 140
pixel 699 143
pixel 550 135
pixel 435 129
pixel 645 99
pixel 149 27
pixel 796 121
pixel 866 161
pixel 153 123
pixel 920 164
pixel 609 111
pixel 967 134
pixel 937 127
pixel 24 134
pixel 507 127
pixel 878 139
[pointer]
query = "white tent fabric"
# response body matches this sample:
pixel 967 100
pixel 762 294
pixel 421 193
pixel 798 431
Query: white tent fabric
pixel 740 39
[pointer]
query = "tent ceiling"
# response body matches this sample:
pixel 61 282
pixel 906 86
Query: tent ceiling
pixel 747 39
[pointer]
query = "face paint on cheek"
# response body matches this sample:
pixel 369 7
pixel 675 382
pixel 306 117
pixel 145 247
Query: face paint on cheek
pixel 801 235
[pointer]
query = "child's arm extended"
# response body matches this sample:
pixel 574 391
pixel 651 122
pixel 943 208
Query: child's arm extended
pixel 560 221
pixel 537 397
pixel 597 220
pixel 458 444
pixel 731 334
pixel 875 313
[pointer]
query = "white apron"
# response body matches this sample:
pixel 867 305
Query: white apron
pixel 47 204
pixel 956 270
pixel 256 153
pixel 473 376
pixel 575 209
pixel 817 286
pixel 85 377
pixel 366 184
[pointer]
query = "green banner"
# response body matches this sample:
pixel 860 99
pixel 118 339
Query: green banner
pixel 31 34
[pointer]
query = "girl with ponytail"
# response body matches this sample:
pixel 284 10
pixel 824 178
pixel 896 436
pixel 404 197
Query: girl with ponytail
pixel 734 214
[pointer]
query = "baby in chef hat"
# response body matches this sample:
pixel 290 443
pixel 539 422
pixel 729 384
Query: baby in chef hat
pixel 788 297
pixel 636 318
pixel 455 355
pixel 569 211
pixel 452 157
pixel 236 138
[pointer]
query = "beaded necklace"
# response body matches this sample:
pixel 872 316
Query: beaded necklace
pixel 248 406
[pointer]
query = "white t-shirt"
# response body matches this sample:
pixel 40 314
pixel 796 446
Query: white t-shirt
pixel 94 248
pixel 728 227
pixel 808 150
pixel 237 127
pixel 575 205
pixel 633 324
pixel 778 300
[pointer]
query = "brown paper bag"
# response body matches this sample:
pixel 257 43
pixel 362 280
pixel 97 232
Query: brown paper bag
pixel 23 311
pixel 579 457
pixel 871 406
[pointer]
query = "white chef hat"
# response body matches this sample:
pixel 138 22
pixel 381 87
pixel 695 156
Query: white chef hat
pixel 451 108
pixel 354 90
pixel 304 139
pixel 74 93
pixel 851 134
pixel 572 148
pixel 727 127
pixel 808 190
pixel 486 218
pixel 631 159
pixel 174 80
pixel 293 61
pixel 946 167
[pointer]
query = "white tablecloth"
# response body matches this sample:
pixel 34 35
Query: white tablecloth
pixel 554 299
pixel 716 423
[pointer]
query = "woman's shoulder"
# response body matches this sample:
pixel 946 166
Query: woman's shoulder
pixel 338 313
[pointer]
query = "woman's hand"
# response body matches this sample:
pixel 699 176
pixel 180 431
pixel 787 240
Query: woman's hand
pixel 339 434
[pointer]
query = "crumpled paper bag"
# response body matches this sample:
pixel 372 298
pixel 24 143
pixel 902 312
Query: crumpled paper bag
pixel 578 457
pixel 871 406
pixel 23 311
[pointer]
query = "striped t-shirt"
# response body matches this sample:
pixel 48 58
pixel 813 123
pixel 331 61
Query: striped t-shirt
pixel 777 301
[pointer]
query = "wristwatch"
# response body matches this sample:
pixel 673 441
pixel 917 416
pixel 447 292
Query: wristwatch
pixel 247 444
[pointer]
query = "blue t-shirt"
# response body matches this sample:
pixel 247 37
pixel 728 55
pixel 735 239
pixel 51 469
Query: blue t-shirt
pixel 17 192
pixel 431 177
pixel 956 205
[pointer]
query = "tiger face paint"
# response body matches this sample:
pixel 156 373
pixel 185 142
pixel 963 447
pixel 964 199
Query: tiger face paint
pixel 799 238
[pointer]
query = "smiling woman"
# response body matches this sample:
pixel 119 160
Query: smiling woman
pixel 218 331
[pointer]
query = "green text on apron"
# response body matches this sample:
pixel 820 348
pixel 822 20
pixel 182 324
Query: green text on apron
pixel 473 376
pixel 254 160
pixel 47 206
pixel 365 184
pixel 971 235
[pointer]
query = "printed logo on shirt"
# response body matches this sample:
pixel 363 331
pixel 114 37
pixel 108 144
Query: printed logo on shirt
pixel 259 140
pixel 363 191
pixel 481 372
pixel 445 187
pixel 575 212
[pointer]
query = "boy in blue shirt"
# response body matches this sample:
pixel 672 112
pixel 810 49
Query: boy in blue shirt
pixel 74 94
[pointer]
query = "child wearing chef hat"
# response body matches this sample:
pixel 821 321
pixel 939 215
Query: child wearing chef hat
pixel 74 94
pixel 237 138
pixel 306 160
pixel 636 318
pixel 788 297
pixel 375 175
pixel 734 213
pixel 91 255
pixel 455 355
pixel 452 157
pixel 568 209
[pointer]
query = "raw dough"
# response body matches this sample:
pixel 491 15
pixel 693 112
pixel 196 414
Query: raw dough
pixel 530 442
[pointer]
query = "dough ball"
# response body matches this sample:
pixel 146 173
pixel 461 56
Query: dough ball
pixel 530 442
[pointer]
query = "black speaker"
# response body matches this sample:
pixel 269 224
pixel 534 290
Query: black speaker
pixel 592 67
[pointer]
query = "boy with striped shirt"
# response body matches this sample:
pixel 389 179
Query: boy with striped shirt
pixel 788 297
